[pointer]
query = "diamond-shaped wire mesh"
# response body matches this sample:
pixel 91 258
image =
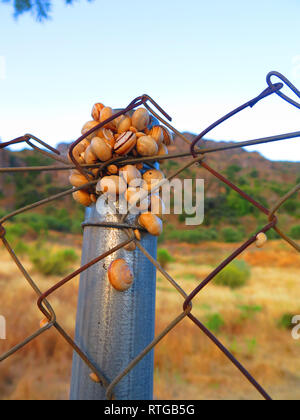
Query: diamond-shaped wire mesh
pixel 198 158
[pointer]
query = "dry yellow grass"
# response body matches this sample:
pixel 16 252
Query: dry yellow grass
pixel 187 364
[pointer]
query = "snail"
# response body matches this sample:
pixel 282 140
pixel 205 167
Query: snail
pixel 133 197
pixel 162 151
pixel 151 223
pixel 261 239
pixel 131 175
pixel 137 234
pixel 44 322
pixel 168 137
pixel 87 127
pixel 113 185
pixel 120 275
pixel 157 134
pixel 82 197
pixel 140 119
pixel 146 146
pixel 94 378
pixel 125 143
pixel 112 169
pixel 89 155
pixel 77 179
pixel 106 113
pixel 123 124
pixel 101 149
pixel 97 108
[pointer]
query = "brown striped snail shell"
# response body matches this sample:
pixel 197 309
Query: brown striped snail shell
pixel 125 143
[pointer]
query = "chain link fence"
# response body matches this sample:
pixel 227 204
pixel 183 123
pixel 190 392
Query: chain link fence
pixel 198 156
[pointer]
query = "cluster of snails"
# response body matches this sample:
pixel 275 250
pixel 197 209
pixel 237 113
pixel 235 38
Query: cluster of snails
pixel 135 134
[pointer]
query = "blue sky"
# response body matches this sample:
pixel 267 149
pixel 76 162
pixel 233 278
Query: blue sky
pixel 198 59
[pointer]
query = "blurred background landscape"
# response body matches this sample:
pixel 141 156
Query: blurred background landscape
pixel 249 307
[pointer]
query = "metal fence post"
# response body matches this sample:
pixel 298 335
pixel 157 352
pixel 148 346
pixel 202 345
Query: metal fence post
pixel 114 327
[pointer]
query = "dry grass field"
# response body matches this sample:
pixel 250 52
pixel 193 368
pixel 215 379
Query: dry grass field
pixel 187 364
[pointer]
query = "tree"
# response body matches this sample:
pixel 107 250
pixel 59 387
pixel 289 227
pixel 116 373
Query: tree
pixel 39 8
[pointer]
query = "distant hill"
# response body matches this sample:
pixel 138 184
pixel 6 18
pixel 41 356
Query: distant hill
pixel 265 180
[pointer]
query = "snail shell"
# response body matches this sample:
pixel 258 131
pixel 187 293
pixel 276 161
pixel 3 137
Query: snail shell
pixel 137 234
pixel 153 175
pixel 120 275
pixel 125 143
pixel 123 124
pixel 106 113
pixel 162 151
pixel 168 136
pixel 157 134
pixel 261 239
pixel 89 156
pixel 82 197
pixel 147 146
pixel 94 378
pixel 77 179
pixel 140 119
pixel 151 223
pixel 78 150
pixel 97 108
pixel 87 127
pixel 112 169
pixel 101 149
pixel 112 184
pixel 131 174
pixel 133 196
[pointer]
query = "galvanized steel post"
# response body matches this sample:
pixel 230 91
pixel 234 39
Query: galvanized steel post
pixel 113 327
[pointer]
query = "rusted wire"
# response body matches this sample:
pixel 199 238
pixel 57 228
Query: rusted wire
pixel 271 219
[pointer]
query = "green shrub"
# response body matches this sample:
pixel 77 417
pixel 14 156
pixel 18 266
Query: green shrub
pixel 214 322
pixel 21 248
pixel 249 311
pixel 234 275
pixel 231 235
pixel 285 321
pixel 164 257
pixel 52 263
pixel 295 232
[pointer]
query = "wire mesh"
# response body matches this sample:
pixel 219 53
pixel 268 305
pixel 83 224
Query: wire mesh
pixel 198 155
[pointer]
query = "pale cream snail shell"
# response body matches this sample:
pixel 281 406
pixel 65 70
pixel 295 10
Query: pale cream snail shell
pixel 101 149
pixel 146 146
pixel 261 239
pixel 112 184
pixel 140 119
